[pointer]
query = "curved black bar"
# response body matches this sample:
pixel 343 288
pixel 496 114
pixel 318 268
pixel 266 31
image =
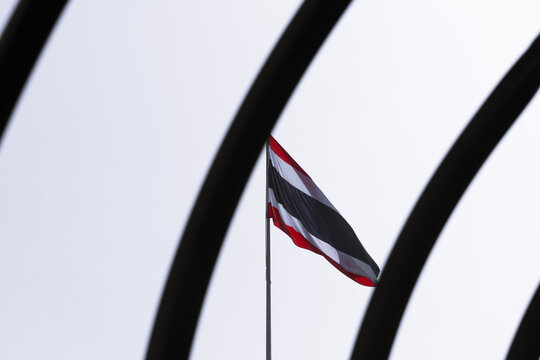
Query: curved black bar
pixel 203 236
pixel 526 343
pixel 437 202
pixel 20 45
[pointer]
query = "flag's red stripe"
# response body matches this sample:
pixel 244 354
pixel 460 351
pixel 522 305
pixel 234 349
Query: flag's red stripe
pixel 279 151
pixel 302 242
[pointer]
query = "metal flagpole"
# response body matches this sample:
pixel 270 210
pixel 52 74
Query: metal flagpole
pixel 268 298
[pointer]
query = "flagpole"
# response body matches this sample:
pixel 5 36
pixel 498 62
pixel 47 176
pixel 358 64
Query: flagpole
pixel 268 297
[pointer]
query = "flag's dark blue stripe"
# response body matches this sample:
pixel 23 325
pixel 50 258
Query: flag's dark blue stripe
pixel 319 219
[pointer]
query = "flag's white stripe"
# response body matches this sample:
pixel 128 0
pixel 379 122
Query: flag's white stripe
pixel 348 262
pixel 299 180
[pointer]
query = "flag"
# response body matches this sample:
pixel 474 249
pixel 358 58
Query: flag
pixel 298 207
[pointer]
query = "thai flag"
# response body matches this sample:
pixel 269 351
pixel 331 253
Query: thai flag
pixel 299 208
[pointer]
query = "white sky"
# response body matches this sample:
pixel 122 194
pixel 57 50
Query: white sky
pixel 119 122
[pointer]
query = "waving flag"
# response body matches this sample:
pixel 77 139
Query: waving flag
pixel 299 208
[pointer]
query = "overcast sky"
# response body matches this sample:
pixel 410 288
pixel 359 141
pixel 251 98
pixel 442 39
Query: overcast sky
pixel 121 118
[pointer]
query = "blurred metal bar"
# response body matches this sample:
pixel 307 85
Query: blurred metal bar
pixel 20 45
pixel 526 343
pixel 201 242
pixel 437 202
